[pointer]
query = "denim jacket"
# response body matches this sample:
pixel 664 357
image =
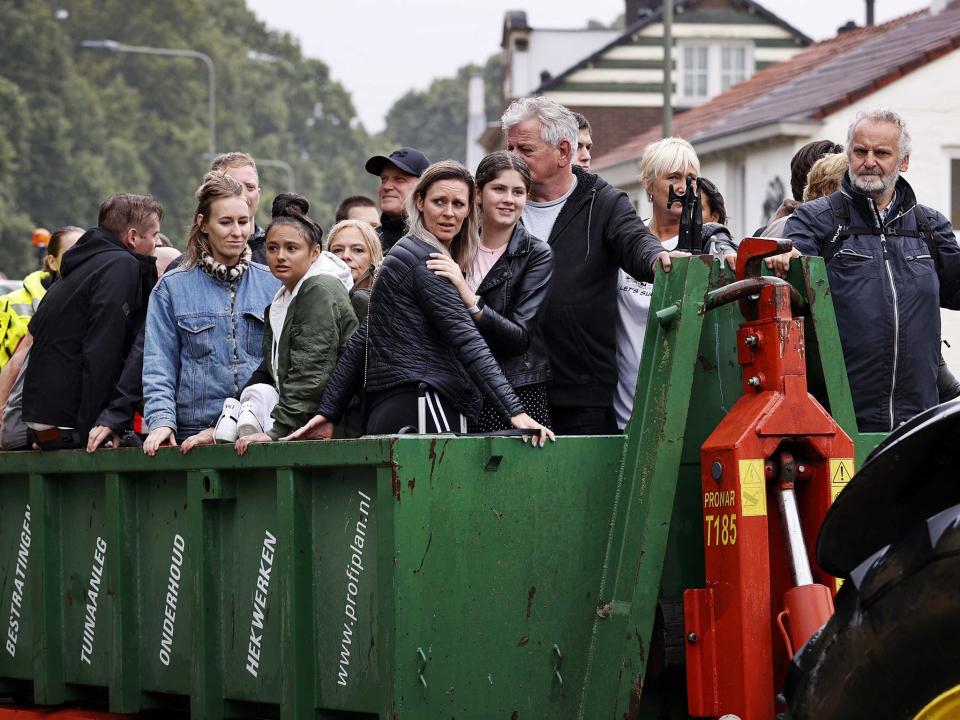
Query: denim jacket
pixel 204 339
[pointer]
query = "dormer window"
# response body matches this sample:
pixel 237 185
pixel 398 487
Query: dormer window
pixel 707 69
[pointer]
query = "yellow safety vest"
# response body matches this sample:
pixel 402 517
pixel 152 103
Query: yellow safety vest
pixel 16 309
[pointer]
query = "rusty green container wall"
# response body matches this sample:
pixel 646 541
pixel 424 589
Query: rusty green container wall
pixel 481 553
pixel 396 577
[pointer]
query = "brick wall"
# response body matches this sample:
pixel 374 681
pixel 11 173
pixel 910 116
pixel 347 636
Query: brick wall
pixel 613 126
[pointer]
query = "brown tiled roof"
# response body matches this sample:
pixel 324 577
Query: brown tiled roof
pixel 816 82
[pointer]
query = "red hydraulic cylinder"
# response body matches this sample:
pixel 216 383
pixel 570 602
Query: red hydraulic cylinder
pixel 736 655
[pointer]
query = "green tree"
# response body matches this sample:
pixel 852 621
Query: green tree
pixel 435 120
pixel 80 124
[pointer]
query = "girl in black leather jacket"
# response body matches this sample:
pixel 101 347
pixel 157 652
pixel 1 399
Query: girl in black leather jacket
pixel 506 285
pixel 418 330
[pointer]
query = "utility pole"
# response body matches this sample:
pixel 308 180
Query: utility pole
pixel 667 67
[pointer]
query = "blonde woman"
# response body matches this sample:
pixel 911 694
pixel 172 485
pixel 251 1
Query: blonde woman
pixel 666 163
pixel 356 243
pixel 204 332
pixel 825 176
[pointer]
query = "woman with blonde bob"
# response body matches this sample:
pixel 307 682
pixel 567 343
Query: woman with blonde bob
pixel 356 243
pixel 825 176
pixel 204 330
pixel 418 339
pixel 666 163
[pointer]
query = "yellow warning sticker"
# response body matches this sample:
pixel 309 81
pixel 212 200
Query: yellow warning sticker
pixel 753 488
pixel 841 470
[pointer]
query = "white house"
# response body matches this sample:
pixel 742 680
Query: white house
pixel 746 136
pixel 615 77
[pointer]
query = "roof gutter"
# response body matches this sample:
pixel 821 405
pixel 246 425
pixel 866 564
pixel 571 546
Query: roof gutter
pixel 770 131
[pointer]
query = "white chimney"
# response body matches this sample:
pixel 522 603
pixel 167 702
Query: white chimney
pixel 476 121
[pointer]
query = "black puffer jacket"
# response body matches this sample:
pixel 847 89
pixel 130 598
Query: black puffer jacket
pixel 392 229
pixel 514 293
pixel 419 331
pixel 258 245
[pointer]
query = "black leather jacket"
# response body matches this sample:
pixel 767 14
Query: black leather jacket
pixel 514 292
pixel 418 330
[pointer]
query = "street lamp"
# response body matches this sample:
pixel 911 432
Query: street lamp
pixel 114 46
pixel 283 165
pixel 270 58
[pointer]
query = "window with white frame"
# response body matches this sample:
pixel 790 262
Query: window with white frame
pixel 707 69
pixel 695 71
pixel 733 66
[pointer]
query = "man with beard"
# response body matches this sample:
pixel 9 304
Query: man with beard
pixel 892 263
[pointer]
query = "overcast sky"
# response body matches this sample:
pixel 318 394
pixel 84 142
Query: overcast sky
pixel 379 49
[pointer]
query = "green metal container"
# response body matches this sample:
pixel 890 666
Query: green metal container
pixel 402 577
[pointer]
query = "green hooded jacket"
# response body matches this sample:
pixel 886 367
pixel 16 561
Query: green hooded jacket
pixel 318 324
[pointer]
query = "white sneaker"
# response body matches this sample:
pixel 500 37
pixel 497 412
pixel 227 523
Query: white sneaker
pixel 226 428
pixel 247 423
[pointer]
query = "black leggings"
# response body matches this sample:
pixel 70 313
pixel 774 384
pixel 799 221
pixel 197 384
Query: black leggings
pixel 398 408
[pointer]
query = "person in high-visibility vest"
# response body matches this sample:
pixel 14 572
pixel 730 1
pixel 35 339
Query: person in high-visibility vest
pixel 17 307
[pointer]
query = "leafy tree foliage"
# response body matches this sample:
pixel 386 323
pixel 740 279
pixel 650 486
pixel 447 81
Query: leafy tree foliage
pixel 79 124
pixel 435 120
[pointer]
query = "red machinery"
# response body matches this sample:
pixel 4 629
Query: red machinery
pixel 776 458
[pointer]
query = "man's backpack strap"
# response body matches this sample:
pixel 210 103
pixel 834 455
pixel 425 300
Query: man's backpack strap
pixel 842 230
pixel 926 234
pixel 841 224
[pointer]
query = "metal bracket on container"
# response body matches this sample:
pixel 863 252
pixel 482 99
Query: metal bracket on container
pixel 559 662
pixel 215 486
pixel 423 660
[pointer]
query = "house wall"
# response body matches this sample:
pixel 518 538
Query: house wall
pixel 931 118
pixel 931 114
pixel 630 74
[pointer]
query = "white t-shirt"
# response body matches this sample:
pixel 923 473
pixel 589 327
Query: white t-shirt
pixel 539 218
pixel 633 306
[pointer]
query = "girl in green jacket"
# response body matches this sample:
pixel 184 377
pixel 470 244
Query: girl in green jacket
pixel 305 330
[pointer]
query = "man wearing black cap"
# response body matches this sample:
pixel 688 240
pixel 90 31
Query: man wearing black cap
pixel 398 175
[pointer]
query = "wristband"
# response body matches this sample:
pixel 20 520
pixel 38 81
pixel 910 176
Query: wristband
pixel 474 310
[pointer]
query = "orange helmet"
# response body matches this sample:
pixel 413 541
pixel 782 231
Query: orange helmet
pixel 41 237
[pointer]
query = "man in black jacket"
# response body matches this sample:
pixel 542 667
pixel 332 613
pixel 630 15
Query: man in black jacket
pixel 398 175
pixel 892 264
pixel 87 323
pixel 593 230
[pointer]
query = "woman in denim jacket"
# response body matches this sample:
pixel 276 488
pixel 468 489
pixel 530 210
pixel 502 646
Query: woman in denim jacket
pixel 204 334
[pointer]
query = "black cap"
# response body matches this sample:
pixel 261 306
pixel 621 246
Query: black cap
pixel 408 159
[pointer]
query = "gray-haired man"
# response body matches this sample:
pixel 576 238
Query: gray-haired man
pixel 891 263
pixel 593 230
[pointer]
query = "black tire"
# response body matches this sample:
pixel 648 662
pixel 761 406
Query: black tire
pixel 894 643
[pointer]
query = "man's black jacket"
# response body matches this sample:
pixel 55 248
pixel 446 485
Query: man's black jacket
pixel 392 228
pixel 83 330
pixel 597 232
pixel 419 331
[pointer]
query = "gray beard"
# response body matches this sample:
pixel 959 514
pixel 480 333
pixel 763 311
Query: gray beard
pixel 887 183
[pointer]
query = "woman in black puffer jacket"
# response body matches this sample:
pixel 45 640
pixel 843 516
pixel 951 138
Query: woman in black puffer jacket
pixel 418 330
pixel 506 285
